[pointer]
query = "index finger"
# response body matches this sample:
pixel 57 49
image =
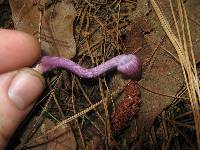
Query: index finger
pixel 17 50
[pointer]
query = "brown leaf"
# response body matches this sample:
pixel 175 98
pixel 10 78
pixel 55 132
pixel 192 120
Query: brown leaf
pixel 56 24
pixel 66 141
pixel 62 138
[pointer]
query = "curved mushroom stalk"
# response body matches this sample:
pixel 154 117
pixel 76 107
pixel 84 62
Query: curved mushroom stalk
pixel 129 65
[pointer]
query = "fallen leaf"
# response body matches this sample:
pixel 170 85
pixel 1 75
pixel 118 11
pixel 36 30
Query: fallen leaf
pixel 65 141
pixel 55 23
pixel 62 138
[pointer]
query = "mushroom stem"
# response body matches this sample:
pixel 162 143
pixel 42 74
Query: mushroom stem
pixel 129 65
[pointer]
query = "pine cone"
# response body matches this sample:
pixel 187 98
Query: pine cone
pixel 127 108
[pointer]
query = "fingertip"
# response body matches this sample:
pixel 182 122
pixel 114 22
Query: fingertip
pixel 17 50
pixel 19 92
pixel 25 88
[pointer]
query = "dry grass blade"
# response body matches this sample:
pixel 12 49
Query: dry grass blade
pixel 88 100
pixel 185 53
pixel 74 109
pixel 105 104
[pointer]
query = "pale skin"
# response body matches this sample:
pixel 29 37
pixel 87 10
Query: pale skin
pixel 19 88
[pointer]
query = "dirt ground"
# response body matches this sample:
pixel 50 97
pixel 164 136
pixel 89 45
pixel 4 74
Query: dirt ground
pixel 98 30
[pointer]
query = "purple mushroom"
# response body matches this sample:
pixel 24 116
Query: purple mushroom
pixel 129 65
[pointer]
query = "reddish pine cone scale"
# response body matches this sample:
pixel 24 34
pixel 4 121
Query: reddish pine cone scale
pixel 127 108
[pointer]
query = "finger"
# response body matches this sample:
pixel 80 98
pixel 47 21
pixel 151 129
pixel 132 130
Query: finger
pixel 17 50
pixel 19 90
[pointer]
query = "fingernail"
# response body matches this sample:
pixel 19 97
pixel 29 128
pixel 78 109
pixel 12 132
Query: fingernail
pixel 25 88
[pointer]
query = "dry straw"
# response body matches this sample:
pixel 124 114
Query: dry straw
pixel 183 44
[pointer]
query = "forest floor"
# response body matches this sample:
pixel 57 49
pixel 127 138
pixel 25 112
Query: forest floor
pixel 93 32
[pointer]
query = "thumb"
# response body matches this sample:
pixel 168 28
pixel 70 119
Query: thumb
pixel 19 91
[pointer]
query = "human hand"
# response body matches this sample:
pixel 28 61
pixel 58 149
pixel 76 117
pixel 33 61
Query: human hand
pixel 18 89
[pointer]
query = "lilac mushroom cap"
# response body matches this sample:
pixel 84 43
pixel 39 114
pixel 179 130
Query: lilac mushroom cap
pixel 129 65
